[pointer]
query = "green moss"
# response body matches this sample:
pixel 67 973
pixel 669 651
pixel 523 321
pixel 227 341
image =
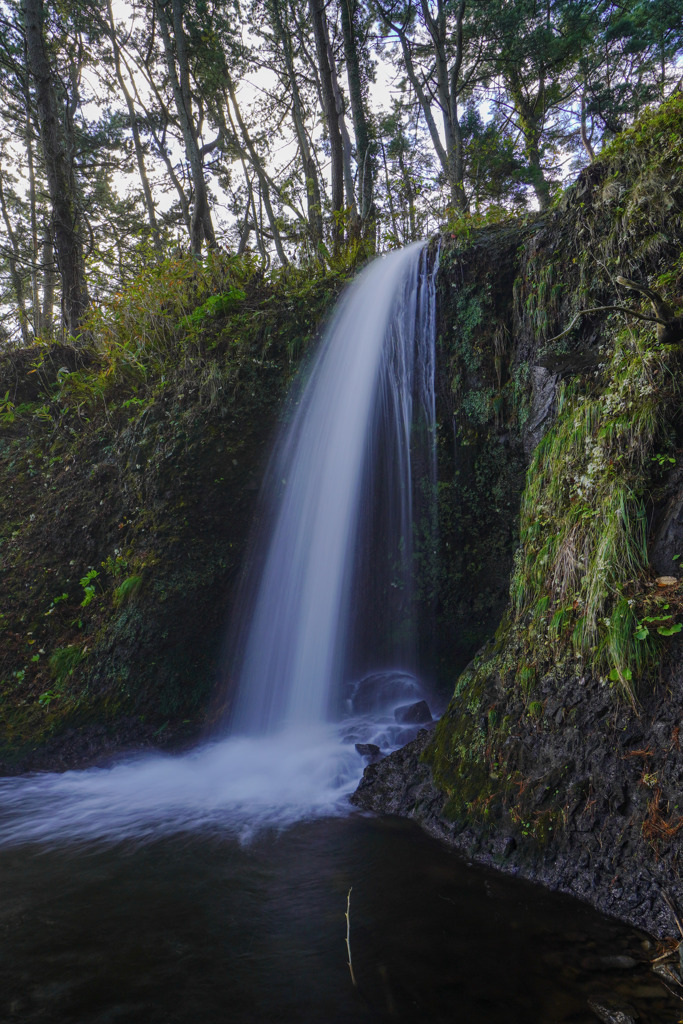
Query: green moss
pixel 526 678
pixel 535 709
pixel 583 523
pixel 583 600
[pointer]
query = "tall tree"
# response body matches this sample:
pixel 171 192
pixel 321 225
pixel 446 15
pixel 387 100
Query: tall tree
pixel 534 46
pixel 150 206
pixel 332 118
pixel 364 152
pixel 283 39
pixel 442 60
pixel 54 113
pixel 170 14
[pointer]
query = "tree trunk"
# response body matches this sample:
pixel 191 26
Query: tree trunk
pixel 530 113
pixel 313 197
pixel 423 99
pixel 134 127
pixel 160 140
pixel 317 12
pixel 14 267
pixel 364 157
pixel 201 226
pixel 586 139
pixel 47 313
pixel 260 173
pixel 392 211
pixel 346 141
pixel 410 196
pixel 66 217
pixel 35 294
pixel 448 85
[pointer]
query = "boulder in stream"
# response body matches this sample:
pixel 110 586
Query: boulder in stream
pixel 369 750
pixel 413 714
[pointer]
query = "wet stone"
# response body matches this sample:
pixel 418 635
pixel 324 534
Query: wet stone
pixel 509 846
pixel 619 962
pixel 369 750
pixel 649 992
pixel 413 714
pixel 610 1014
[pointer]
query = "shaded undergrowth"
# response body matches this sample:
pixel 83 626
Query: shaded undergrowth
pixel 129 464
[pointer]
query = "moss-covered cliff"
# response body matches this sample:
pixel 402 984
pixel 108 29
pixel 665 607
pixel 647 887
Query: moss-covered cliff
pixel 129 466
pixel 559 754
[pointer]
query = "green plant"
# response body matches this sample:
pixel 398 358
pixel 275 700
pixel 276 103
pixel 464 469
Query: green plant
pixel 6 409
pixel 663 460
pixel 115 564
pixel 127 591
pixel 526 677
pixel 55 601
pixel 649 622
pixel 88 587
pixel 46 698
pixel 584 526
pixel 214 306
pixel 65 660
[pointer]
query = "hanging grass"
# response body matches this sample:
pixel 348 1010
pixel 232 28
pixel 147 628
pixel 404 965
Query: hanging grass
pixel 583 552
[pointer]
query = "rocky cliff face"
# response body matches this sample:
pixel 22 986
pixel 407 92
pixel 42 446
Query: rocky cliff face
pixel 559 755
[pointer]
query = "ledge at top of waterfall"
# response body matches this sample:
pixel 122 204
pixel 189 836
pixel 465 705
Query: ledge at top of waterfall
pixel 335 548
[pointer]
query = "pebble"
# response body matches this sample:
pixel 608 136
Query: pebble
pixel 608 963
pixel 618 962
pixel 648 992
pixel 610 1014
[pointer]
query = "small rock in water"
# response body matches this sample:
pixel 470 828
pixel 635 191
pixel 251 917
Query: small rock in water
pixel 609 1014
pixel 669 972
pixel 413 714
pixel 380 691
pixel 509 846
pixel 369 750
pixel 617 962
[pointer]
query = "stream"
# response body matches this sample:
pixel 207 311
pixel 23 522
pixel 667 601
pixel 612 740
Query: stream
pixel 199 927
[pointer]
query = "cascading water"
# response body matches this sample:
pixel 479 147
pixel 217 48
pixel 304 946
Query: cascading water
pixel 327 629
pixel 351 428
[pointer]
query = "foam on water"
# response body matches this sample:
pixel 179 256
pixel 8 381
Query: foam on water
pixel 240 785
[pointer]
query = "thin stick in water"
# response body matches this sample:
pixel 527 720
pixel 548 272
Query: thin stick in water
pixel 348 935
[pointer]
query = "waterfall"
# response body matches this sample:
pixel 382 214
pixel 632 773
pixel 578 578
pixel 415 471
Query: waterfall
pixel 327 627
pixel 336 552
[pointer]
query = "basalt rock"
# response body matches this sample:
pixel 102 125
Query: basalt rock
pixel 413 714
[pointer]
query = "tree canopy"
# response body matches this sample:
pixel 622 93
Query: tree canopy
pixel 131 130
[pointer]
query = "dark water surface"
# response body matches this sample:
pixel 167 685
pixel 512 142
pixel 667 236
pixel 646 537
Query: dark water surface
pixel 198 929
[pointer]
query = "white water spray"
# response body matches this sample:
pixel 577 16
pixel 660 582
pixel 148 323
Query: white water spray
pixel 329 598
